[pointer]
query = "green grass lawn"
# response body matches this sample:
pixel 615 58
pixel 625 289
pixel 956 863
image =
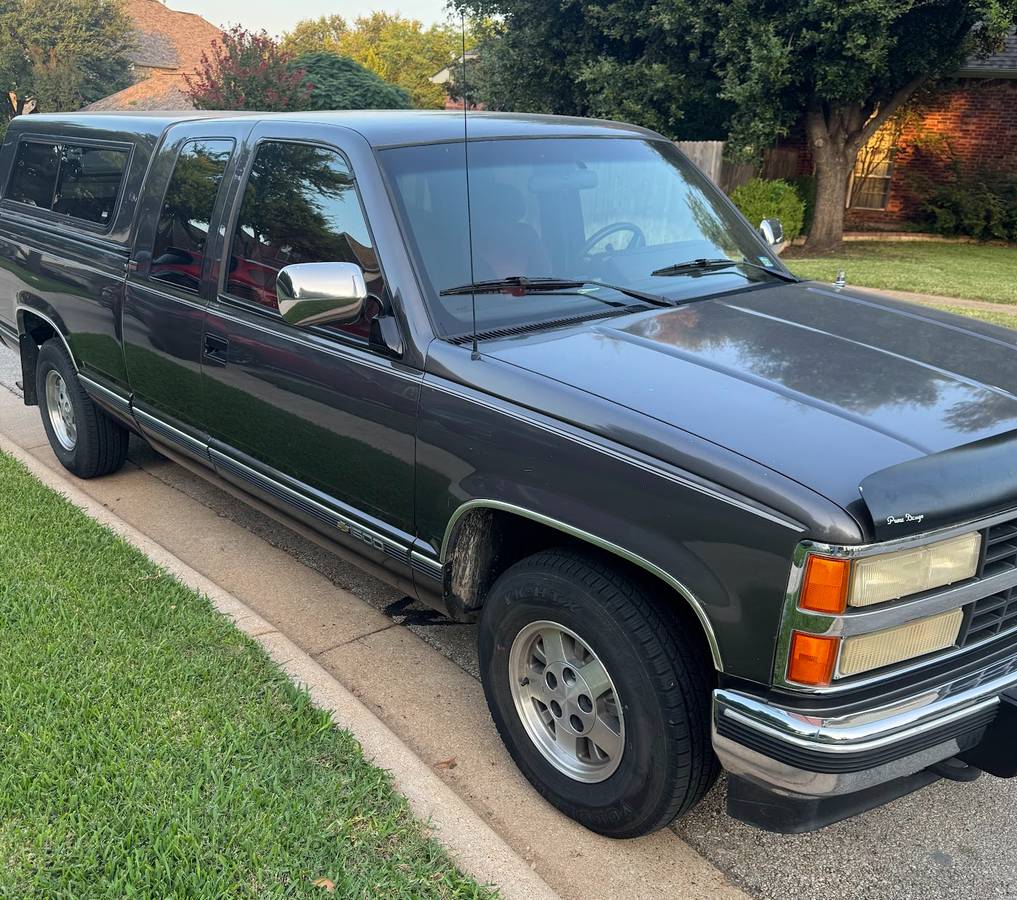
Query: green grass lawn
pixel 149 749
pixel 971 271
pixel 1005 318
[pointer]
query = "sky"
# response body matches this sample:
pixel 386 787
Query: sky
pixel 276 17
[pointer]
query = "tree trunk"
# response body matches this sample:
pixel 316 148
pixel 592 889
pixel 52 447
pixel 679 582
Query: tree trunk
pixel 832 170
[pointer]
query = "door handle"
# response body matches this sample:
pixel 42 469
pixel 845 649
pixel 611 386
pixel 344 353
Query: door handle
pixel 216 350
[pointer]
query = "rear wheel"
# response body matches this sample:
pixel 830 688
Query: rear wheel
pixel 602 700
pixel 86 440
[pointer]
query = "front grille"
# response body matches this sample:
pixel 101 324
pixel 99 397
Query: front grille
pixel 996 613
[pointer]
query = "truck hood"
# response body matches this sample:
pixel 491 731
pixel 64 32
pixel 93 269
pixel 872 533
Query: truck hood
pixel 822 385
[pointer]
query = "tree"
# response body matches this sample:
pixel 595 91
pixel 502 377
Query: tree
pixel 61 54
pixel 841 68
pixel 626 59
pixel 400 50
pixel 341 83
pixel 312 35
pixel 248 70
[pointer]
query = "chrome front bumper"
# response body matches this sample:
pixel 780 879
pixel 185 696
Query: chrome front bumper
pixel 787 754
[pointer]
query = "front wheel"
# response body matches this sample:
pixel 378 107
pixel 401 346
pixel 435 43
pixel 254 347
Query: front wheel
pixel 602 701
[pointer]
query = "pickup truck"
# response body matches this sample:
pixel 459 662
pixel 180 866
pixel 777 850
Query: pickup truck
pixel 540 374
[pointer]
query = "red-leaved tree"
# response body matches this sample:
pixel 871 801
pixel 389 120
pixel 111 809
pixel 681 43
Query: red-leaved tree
pixel 248 70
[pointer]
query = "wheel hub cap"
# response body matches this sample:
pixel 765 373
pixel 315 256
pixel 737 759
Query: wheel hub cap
pixel 61 410
pixel 566 701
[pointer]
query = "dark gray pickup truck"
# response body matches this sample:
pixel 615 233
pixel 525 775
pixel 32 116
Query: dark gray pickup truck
pixel 550 380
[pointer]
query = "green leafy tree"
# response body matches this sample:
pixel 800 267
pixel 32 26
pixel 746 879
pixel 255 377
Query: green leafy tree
pixel 400 50
pixel 636 60
pixel 339 82
pixel 313 35
pixel 249 70
pixel 841 68
pixel 60 55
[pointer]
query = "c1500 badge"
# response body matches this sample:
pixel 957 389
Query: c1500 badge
pixel 907 517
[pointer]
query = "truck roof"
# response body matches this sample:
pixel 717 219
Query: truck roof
pixel 380 128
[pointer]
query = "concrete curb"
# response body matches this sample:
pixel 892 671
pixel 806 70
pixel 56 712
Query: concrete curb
pixel 470 841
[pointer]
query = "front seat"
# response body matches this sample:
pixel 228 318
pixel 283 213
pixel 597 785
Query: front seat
pixel 503 244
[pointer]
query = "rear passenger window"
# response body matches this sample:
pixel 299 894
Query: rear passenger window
pixel 182 231
pixel 69 179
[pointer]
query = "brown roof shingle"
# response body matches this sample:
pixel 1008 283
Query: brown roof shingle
pixel 157 92
pixel 167 39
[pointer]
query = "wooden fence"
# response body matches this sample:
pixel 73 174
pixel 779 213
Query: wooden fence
pixel 709 156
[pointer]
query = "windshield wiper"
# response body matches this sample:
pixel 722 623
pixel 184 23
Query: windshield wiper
pixel 704 266
pixel 522 285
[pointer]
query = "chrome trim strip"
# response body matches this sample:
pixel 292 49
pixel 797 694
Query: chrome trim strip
pixel 877 618
pixel 589 538
pixel 156 426
pixel 626 458
pixel 104 393
pixel 429 566
pixel 51 323
pixel 827 741
pixel 343 523
pixel 873 728
pixel 899 612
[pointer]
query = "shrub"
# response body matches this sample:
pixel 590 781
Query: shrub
pixel 980 204
pixel 339 82
pixel 805 185
pixel 760 199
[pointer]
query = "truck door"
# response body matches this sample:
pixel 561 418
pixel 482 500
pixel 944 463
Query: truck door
pixel 167 286
pixel 315 418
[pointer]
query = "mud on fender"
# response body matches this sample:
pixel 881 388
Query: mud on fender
pixel 945 488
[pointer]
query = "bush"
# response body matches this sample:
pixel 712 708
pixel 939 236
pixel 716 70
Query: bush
pixel 805 185
pixel 981 205
pixel 760 199
pixel 339 82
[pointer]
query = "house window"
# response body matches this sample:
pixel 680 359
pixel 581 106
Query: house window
pixel 873 172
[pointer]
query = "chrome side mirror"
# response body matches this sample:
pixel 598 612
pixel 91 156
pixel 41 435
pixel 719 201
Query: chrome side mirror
pixel 772 232
pixel 323 293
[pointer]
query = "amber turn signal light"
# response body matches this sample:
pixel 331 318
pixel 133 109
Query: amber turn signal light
pixel 812 659
pixel 825 588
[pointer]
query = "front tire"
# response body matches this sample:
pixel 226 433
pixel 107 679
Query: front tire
pixel 86 440
pixel 601 699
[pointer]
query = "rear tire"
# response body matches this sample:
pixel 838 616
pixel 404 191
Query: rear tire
pixel 642 753
pixel 86 440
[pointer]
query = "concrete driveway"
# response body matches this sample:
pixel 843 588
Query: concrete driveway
pixel 949 840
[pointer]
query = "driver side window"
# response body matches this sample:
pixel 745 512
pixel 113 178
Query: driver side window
pixel 300 205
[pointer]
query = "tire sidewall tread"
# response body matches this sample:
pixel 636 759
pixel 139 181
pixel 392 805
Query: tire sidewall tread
pixel 668 763
pixel 101 446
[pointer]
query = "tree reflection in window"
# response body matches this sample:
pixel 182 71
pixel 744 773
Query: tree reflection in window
pixel 299 206
pixel 182 230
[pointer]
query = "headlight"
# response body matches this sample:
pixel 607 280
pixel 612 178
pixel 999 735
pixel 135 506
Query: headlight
pixel 865 652
pixel 831 584
pixel 889 576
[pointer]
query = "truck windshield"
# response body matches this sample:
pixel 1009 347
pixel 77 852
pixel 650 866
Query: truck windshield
pixel 608 210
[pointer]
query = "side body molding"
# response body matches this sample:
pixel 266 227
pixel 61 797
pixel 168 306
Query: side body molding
pixel 596 541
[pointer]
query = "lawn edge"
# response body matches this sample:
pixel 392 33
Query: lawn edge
pixel 472 844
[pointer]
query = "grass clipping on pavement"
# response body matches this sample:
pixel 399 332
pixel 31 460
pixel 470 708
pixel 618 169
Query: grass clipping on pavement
pixel 148 748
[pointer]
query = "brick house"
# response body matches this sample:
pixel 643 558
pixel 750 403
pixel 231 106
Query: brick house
pixel 969 121
pixel 167 46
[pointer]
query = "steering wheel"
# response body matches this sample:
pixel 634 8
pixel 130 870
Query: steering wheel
pixel 638 239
